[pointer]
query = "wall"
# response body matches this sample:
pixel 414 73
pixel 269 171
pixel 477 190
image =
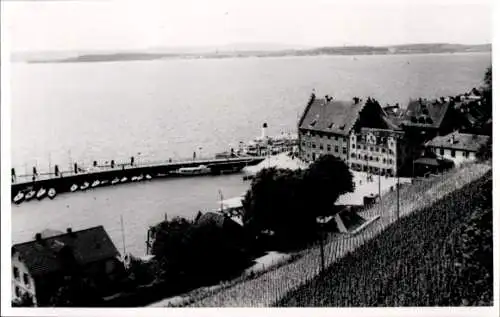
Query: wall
pixel 314 144
pixel 384 155
pixel 24 288
pixel 459 158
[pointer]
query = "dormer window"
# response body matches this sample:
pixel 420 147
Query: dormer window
pixel 330 125
pixel 313 123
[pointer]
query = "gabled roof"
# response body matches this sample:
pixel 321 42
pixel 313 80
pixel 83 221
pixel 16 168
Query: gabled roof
pixel 333 116
pixel 459 141
pixel 429 114
pixel 87 246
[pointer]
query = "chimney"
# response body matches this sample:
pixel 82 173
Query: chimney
pixel 69 231
pixel 38 237
pixel 264 131
pixel 452 139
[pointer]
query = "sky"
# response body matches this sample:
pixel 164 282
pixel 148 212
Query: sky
pixel 141 24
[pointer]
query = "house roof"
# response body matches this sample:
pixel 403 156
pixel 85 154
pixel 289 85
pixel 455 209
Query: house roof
pixel 87 246
pixel 331 115
pixel 459 141
pixel 426 113
pixel 215 218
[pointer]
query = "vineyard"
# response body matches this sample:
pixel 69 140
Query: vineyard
pixel 282 286
pixel 439 256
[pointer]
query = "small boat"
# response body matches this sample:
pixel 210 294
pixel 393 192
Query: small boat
pixel 52 193
pixel 18 198
pixel 148 177
pixel 114 181
pixel 199 170
pixel 134 178
pixel 95 183
pixel 124 179
pixel 41 193
pixel 84 186
pixel 73 188
pixel 140 178
pixel 30 195
pixel 104 182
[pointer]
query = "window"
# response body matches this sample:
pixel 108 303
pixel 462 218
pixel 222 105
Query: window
pixel 304 143
pixel 353 155
pixel 15 271
pixel 452 153
pixel 364 147
pixel 336 138
pixel 377 159
pixel 26 279
pixel 359 156
pixel 359 146
pixel 466 154
pixel 336 148
pixel 383 150
pixel 353 146
pixel 329 137
pixel 441 151
pixel 383 161
pixel 18 291
pixel 321 146
pixel 371 158
pixel 390 161
pixel 329 147
pixel 314 145
pixel 344 150
pixel 366 157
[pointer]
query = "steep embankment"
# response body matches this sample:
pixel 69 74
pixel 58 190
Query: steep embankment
pixel 271 287
pixel 441 255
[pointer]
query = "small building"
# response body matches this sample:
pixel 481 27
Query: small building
pixel 39 266
pixel 429 118
pixel 457 147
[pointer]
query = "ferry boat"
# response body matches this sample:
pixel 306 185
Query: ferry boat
pixel 198 170
pixel 52 193
pixel 268 145
pixel 18 198
pixel 73 188
pixel 30 195
pixel 84 186
pixel 41 193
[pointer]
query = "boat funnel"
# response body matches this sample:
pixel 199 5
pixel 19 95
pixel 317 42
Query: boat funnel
pixel 263 134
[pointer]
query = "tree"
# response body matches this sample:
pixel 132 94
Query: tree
pixel 192 253
pixel 325 180
pixel 76 291
pixel 287 202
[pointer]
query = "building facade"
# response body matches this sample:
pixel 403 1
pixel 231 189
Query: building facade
pixel 457 147
pixel 377 151
pixel 39 266
pixel 357 132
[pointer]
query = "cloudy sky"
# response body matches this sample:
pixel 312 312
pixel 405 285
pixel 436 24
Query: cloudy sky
pixel 138 24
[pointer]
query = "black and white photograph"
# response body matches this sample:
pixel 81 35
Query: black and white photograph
pixel 167 155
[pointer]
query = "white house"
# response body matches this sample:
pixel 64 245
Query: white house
pixel 457 147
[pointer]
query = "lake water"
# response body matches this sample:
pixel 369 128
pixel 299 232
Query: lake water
pixel 170 108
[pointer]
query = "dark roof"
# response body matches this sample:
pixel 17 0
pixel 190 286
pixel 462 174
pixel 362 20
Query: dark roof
pixel 331 116
pixel 215 218
pixel 459 141
pixel 426 113
pixel 432 161
pixel 87 246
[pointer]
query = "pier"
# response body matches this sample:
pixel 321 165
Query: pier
pixel 62 181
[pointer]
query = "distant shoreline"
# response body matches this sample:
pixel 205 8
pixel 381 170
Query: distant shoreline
pixel 411 49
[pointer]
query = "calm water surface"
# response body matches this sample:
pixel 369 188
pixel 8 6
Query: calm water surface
pixel 170 108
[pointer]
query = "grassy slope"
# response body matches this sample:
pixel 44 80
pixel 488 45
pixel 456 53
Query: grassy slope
pixel 268 288
pixel 441 255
